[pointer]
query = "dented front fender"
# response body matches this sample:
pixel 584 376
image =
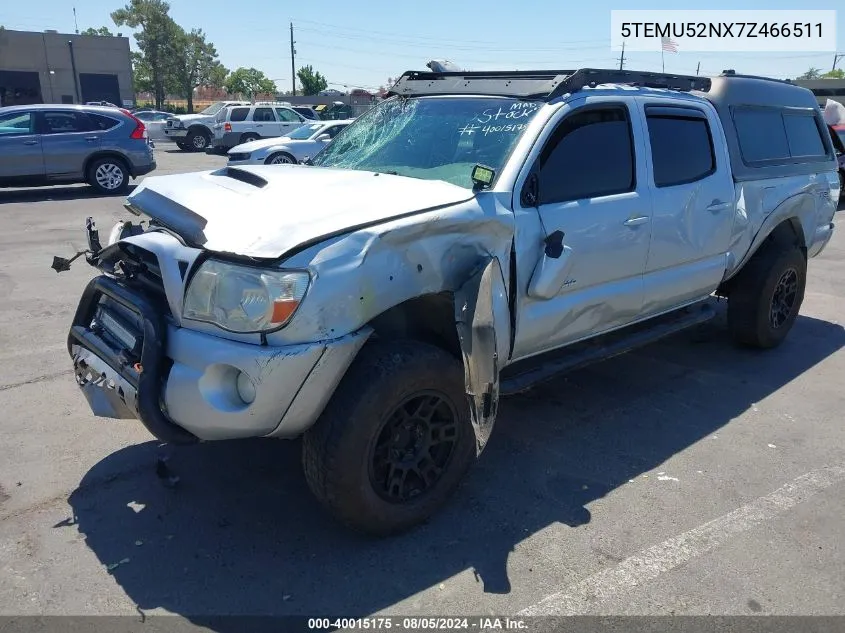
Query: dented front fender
pixel 482 317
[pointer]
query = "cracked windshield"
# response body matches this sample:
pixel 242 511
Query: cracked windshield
pixel 432 138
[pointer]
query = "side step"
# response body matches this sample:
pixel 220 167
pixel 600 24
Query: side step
pixel 525 374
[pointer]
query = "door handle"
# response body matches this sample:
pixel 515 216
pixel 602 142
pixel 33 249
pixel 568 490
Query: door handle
pixel 91 138
pixel 258 125
pixel 30 142
pixel 716 206
pixel 642 219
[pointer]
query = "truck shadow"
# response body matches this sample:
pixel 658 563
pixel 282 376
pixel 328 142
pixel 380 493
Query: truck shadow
pixel 58 192
pixel 240 533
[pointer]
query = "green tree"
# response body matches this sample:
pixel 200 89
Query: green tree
pixel 812 73
pixel 158 41
pixel 103 30
pixel 196 64
pixel 312 82
pixel 141 76
pixel 837 73
pixel 249 82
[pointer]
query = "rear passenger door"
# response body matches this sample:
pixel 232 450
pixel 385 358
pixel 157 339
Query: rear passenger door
pixel 693 202
pixel 265 123
pixel 68 138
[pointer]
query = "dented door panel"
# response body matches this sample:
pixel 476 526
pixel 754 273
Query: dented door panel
pixel 483 323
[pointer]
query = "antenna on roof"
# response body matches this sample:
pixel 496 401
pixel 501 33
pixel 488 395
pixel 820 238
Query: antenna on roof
pixel 75 23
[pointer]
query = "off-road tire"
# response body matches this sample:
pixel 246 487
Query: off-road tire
pixel 104 172
pixel 194 143
pixel 337 451
pixel 753 292
pixel 183 146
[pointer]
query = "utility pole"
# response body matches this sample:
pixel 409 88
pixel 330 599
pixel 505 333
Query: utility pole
pixel 292 63
pixel 76 24
pixel 697 68
pixel 622 56
pixel 836 58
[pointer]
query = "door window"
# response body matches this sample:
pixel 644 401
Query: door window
pixel 239 114
pixel 590 154
pixel 287 116
pixel 681 149
pixel 333 131
pixel 65 123
pixel 263 115
pixel 13 123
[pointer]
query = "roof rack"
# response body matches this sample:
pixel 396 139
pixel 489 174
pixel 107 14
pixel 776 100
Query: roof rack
pixel 536 84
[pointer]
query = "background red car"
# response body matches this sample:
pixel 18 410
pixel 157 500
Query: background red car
pixel 837 133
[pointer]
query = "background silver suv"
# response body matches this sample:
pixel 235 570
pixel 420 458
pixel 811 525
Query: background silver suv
pixel 53 144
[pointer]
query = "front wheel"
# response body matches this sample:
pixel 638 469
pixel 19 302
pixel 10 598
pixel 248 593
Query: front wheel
pixel 280 158
pixel 394 441
pixel 764 302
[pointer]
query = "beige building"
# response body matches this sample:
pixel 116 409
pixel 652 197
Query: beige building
pixel 53 67
pixel 825 89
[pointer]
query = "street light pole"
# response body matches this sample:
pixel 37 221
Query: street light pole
pixel 292 63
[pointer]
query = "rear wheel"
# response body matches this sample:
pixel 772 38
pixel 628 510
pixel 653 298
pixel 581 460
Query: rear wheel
pixel 108 175
pixel 767 295
pixel 247 138
pixel 394 441
pixel 183 146
pixel 280 158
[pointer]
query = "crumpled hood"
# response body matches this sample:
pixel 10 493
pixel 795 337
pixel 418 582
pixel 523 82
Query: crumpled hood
pixel 262 143
pixel 190 118
pixel 265 211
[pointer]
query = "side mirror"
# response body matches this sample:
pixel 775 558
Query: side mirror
pixel 324 138
pixel 530 195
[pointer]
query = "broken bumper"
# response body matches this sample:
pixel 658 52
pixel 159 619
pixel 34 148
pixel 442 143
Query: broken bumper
pixel 183 385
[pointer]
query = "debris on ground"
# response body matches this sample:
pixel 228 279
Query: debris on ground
pixel 666 478
pixel 772 446
pixel 113 566
pixel 137 507
pixel 164 473
pixel 139 543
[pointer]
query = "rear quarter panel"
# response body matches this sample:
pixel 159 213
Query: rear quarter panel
pixel 761 205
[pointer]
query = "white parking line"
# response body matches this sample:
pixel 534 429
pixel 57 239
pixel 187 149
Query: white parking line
pixel 580 598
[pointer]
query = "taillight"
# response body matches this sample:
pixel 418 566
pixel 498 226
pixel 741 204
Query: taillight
pixel 227 127
pixel 140 131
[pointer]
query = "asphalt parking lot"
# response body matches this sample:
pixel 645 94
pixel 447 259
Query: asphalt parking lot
pixel 689 477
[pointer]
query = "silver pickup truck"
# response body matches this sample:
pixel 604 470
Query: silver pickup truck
pixel 468 237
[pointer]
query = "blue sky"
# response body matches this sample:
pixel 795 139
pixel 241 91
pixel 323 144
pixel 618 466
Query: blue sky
pixel 363 43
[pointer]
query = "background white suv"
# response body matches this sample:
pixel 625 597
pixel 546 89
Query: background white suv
pixel 235 125
pixel 192 132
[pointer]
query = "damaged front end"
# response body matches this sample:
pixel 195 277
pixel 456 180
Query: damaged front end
pixel 117 337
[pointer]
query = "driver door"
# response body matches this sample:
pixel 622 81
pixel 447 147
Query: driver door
pixel 590 193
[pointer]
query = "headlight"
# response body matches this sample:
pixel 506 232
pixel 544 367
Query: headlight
pixel 243 299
